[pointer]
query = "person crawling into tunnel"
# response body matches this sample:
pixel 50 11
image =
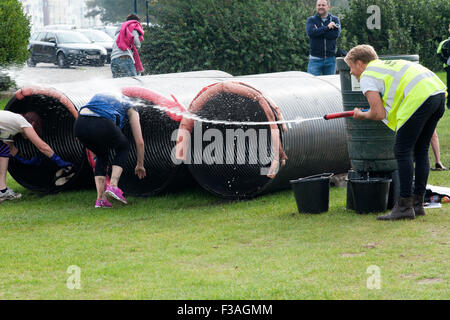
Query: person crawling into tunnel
pixel 99 127
pixel 29 125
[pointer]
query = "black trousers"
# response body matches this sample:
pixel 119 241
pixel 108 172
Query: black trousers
pixel 101 135
pixel 413 142
pixel 448 84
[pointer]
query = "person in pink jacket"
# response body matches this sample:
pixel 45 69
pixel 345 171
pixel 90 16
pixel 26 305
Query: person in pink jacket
pixel 125 61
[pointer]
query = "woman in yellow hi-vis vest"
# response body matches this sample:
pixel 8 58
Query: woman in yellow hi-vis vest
pixel 409 99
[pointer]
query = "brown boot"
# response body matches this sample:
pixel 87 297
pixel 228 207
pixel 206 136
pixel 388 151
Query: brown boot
pixel 403 209
pixel 418 204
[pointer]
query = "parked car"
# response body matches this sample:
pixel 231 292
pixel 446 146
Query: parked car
pixel 64 48
pixel 100 38
pixel 110 30
pixel 59 27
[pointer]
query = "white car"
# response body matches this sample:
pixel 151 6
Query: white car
pixel 110 30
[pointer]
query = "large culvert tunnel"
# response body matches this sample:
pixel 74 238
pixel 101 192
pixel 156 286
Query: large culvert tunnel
pixel 231 160
pixel 57 114
pixel 58 106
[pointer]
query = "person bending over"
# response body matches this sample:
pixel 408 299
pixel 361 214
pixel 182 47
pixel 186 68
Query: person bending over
pixel 99 127
pixel 409 99
pixel 29 125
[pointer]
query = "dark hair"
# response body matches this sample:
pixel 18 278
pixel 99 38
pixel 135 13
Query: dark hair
pixel 34 119
pixel 133 17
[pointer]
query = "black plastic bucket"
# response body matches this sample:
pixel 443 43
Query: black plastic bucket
pixel 370 195
pixel 312 194
pixel 352 175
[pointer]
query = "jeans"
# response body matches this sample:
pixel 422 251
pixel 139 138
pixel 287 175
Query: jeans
pixel 412 143
pixel 325 66
pixel 123 67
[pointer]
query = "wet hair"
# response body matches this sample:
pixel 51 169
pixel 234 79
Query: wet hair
pixel 35 120
pixel 364 53
pixel 133 17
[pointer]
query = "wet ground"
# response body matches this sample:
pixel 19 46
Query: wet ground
pixel 47 74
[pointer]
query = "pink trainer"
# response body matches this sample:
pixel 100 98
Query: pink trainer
pixel 115 193
pixel 103 204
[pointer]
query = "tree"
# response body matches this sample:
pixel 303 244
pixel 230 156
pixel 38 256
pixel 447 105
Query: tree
pixel 14 33
pixel 116 10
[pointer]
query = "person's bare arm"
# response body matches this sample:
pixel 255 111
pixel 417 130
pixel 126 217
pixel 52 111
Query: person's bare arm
pixel 376 111
pixel 44 148
pixel 135 124
pixel 38 142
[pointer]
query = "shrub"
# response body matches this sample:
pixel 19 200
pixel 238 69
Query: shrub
pixel 407 27
pixel 5 81
pixel 236 36
pixel 261 36
pixel 14 33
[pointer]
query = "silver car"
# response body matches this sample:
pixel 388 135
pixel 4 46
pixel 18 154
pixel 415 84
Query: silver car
pixel 100 38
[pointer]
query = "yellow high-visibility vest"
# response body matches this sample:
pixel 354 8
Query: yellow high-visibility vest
pixel 406 87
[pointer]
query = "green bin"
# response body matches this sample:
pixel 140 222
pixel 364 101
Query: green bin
pixel 370 143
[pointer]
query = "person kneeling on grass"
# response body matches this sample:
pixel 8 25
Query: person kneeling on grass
pixel 409 99
pixel 29 125
pixel 99 127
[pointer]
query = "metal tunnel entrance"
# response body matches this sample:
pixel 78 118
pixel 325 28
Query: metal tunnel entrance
pixel 236 152
pixel 57 131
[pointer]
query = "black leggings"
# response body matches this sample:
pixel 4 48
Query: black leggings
pixel 100 135
pixel 412 143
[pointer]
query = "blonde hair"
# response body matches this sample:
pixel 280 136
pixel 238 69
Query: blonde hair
pixel 364 52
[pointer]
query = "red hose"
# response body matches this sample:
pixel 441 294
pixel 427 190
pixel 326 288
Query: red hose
pixel 341 114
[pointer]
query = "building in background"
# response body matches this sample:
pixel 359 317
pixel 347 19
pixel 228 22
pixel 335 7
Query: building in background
pixel 35 10
pixel 58 12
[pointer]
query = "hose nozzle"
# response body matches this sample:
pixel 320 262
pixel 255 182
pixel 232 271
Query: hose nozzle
pixel 345 114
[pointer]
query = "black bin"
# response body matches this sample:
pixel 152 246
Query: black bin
pixel 352 175
pixel 312 194
pixel 370 195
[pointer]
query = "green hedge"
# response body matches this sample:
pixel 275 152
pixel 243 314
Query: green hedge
pixel 259 36
pixel 407 27
pixel 239 37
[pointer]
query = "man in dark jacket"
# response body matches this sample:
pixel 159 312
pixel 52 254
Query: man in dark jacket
pixel 323 29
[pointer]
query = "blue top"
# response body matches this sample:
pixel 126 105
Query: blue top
pixel 110 107
pixel 322 41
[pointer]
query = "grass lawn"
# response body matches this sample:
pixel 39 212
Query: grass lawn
pixel 192 245
pixel 3 102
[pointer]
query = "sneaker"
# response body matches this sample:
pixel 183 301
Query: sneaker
pixel 9 195
pixel 439 167
pixel 115 193
pixel 103 204
pixel 63 175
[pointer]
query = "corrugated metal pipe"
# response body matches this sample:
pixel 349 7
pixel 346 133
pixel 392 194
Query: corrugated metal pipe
pixel 58 107
pixel 240 156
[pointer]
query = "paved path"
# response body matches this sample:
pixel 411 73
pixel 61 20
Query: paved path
pixel 47 74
